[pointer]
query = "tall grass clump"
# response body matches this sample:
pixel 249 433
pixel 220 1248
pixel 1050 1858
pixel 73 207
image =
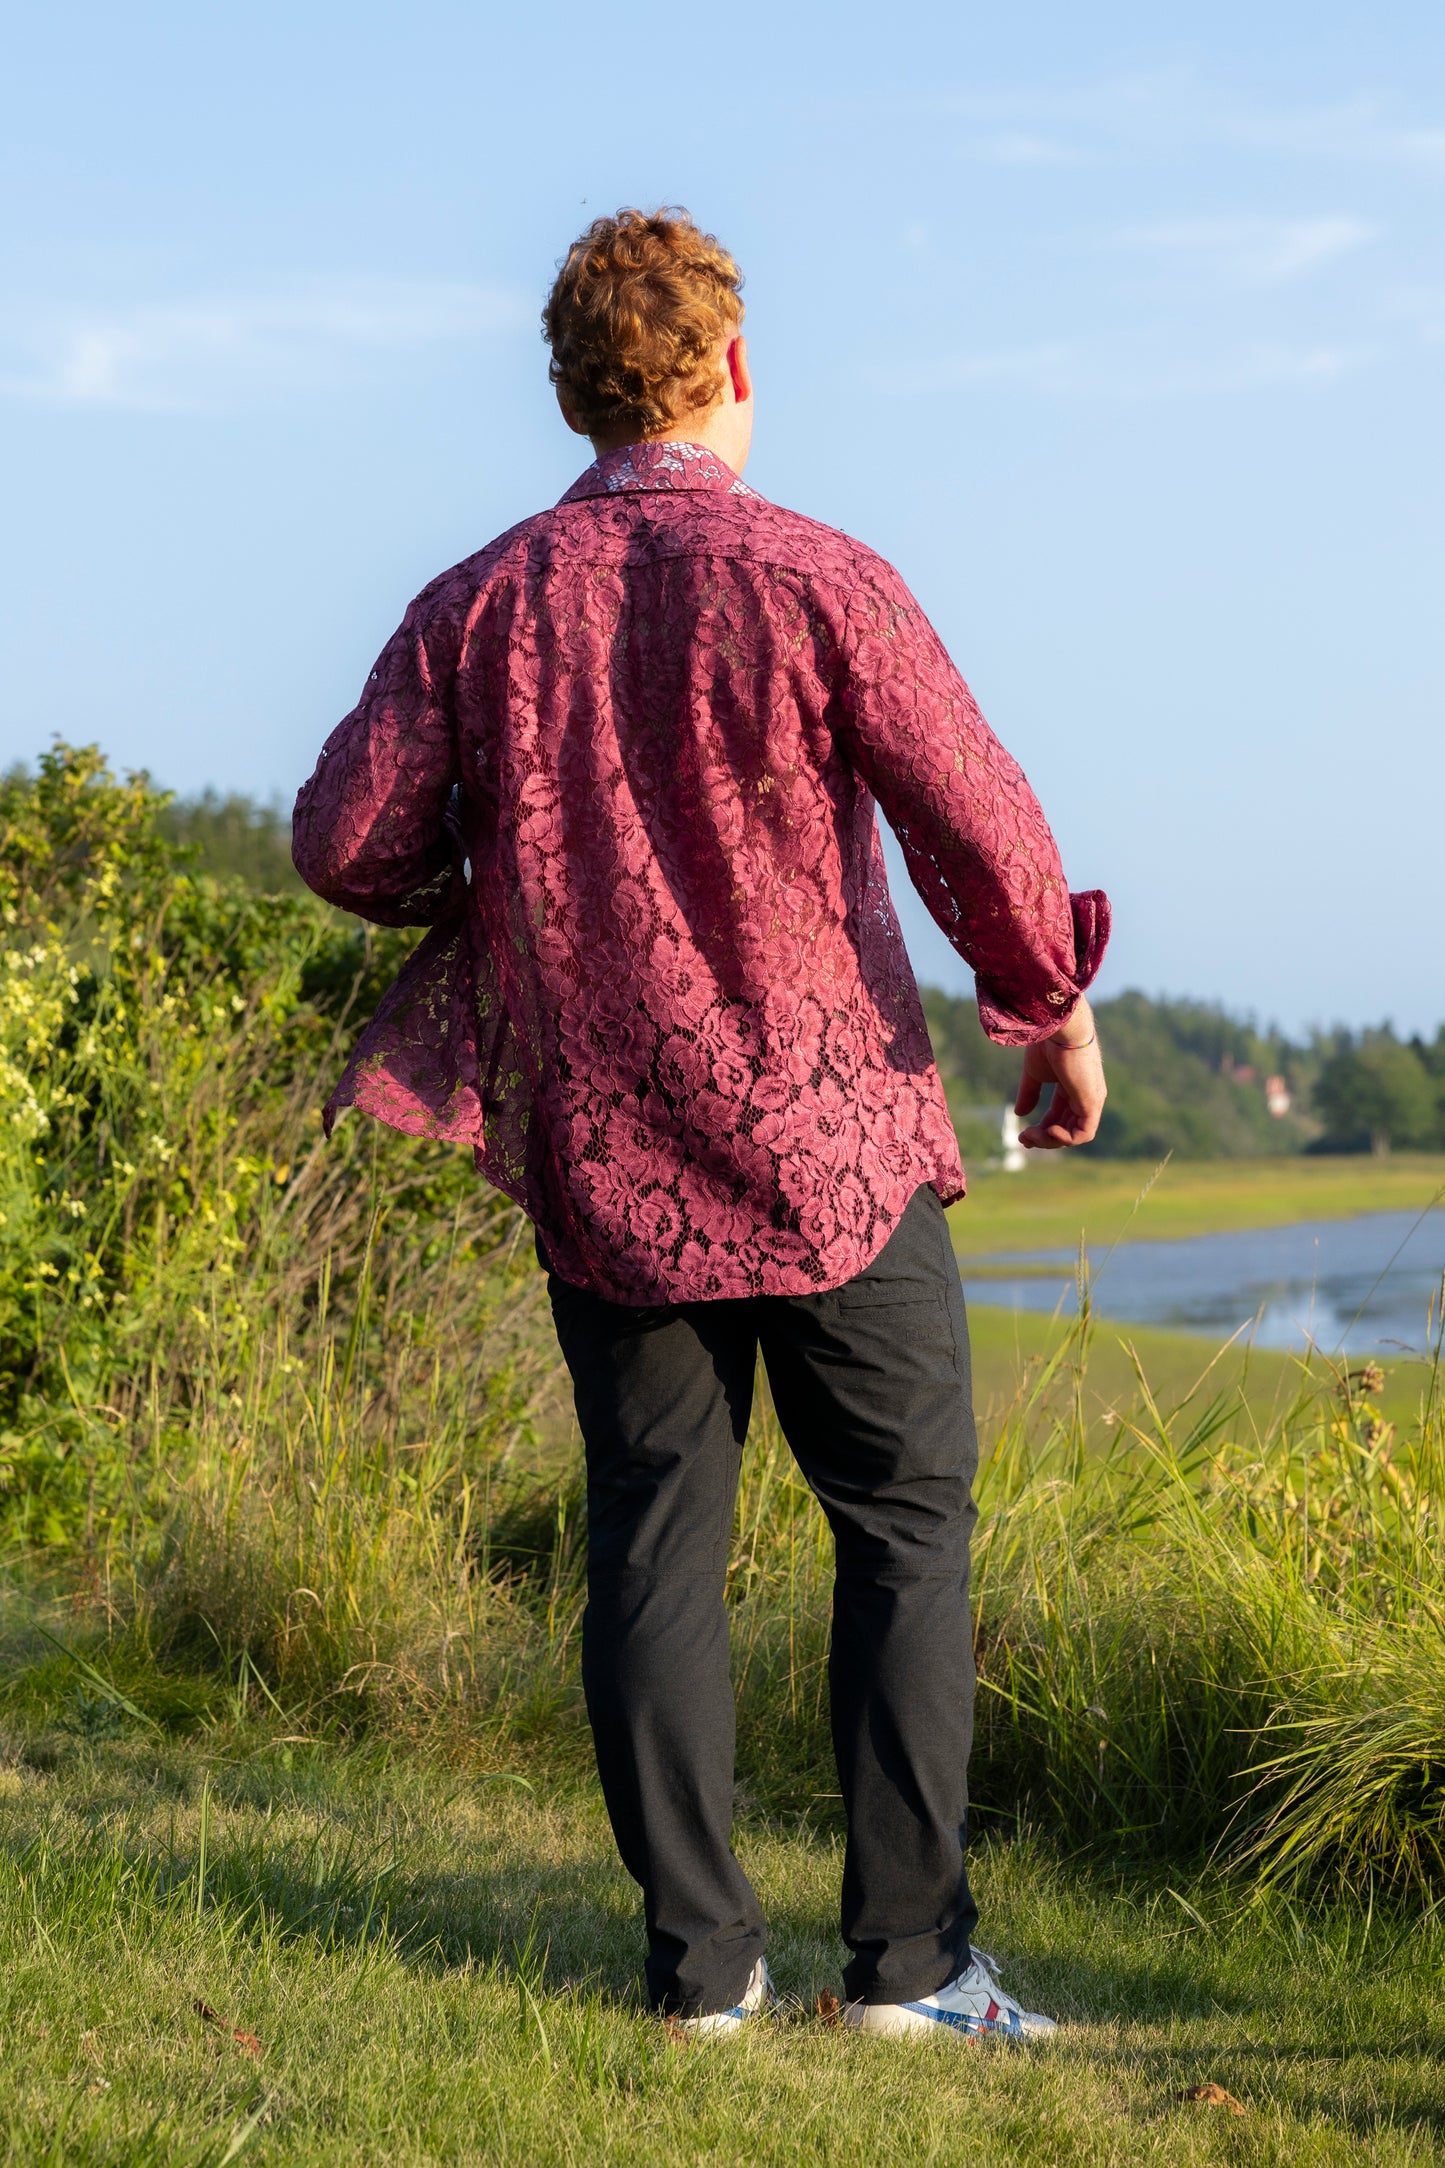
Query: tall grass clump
pixel 269 1417
pixel 1183 1629
pixel 1198 1631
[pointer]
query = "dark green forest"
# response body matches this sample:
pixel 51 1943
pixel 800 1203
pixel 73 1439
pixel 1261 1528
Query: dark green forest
pixel 1184 1077
pixel 1189 1078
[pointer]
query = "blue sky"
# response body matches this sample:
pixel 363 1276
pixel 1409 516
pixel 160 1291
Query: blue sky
pixel 1119 330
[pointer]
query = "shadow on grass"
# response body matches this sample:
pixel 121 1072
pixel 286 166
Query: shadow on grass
pixel 561 1925
pixel 537 1897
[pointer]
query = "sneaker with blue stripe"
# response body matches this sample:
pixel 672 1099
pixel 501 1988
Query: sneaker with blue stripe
pixel 758 1998
pixel 972 2004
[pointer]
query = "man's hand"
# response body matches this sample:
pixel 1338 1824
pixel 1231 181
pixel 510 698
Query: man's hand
pixel 1072 1063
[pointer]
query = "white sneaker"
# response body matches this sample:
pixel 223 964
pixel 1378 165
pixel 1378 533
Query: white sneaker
pixel 758 1998
pixel 973 2003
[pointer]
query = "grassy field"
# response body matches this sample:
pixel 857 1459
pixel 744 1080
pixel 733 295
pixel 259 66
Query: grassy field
pixel 245 1949
pixel 227 1932
pixel 1057 1201
pixel 1012 1346
pixel 1057 1198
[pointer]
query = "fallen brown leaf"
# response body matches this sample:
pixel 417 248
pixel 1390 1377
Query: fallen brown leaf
pixel 829 2009
pixel 246 2041
pixel 1211 2095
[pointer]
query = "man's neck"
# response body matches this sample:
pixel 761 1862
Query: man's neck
pixel 620 442
pixel 721 429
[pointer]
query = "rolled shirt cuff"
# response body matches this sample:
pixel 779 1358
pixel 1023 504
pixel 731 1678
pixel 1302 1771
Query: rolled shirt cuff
pixel 1013 1021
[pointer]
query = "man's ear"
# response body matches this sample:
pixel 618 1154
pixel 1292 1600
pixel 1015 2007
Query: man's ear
pixel 737 365
pixel 568 416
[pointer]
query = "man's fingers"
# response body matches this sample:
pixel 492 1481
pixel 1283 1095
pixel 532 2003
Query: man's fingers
pixel 1047 1137
pixel 1064 1123
pixel 1076 1101
pixel 1055 1130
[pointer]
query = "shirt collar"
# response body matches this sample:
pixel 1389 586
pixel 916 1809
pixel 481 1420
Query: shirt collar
pixel 657 466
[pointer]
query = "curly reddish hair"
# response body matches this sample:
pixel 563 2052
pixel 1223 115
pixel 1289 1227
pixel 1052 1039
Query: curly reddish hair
pixel 639 309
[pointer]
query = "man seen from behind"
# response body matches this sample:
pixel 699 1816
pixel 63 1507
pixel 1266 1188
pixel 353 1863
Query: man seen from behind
pixel 624 763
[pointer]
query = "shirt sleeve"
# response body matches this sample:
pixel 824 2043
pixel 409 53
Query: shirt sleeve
pixel 974 837
pixel 371 831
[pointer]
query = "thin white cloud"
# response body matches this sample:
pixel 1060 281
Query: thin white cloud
pixel 1160 111
pixel 203 353
pixel 1014 148
pixel 1262 364
pixel 1363 128
pixel 1106 104
pixel 1421 308
pixel 1083 370
pixel 1253 251
pixel 1044 367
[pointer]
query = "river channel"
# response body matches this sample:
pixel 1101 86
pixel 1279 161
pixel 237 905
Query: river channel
pixel 1360 1286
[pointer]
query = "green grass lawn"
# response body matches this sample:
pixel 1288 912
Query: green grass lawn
pixel 1059 1196
pixel 1008 1343
pixel 381 1964
pixel 1182 1369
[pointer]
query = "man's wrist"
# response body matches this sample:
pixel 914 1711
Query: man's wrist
pixel 1081 1023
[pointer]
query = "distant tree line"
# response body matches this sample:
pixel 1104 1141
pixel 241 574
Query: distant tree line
pixel 1374 1091
pixel 233 834
pixel 1184 1076
pixel 1188 1078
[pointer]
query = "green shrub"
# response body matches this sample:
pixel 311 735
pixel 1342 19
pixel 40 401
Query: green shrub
pixel 167 1203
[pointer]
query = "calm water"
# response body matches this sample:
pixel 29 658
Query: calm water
pixel 1362 1284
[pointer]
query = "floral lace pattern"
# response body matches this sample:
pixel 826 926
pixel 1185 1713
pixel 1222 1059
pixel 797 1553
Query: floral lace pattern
pixel 659 466
pixel 624 762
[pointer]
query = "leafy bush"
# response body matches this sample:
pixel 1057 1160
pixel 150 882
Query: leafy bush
pixel 166 1199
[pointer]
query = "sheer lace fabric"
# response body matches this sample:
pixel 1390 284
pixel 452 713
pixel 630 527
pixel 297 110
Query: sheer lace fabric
pixel 671 1009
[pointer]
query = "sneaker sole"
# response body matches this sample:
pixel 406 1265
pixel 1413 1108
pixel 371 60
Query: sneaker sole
pixel 901 2020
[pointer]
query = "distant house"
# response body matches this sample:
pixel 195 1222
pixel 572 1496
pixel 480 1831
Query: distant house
pixel 1276 1091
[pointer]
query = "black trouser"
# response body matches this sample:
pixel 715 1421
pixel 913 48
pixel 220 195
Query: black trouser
pixel 871 1384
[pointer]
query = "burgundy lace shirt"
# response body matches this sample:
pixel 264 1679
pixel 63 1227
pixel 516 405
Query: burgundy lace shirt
pixel 623 762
